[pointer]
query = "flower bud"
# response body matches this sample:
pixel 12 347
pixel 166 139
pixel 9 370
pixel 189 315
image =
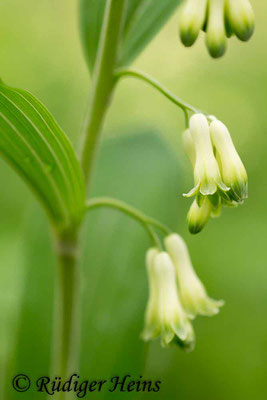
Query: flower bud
pixel 207 175
pixel 216 34
pixel 240 17
pixel 192 292
pixel 165 316
pixel 232 169
pixel 198 216
pixel 192 19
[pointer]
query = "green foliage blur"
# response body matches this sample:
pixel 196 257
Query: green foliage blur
pixel 142 162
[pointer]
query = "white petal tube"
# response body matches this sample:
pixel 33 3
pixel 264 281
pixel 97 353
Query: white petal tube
pixel 165 317
pixel 189 147
pixel 240 17
pixel 192 19
pixel 193 294
pixel 232 169
pixel 216 35
pixel 206 172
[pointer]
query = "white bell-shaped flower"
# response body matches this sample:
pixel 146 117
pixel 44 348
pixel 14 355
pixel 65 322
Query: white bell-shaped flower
pixel 192 19
pixel 216 34
pixel 207 174
pixel 193 295
pixel 232 169
pixel 240 18
pixel 165 317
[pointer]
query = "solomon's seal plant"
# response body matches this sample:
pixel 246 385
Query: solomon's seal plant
pixel 113 33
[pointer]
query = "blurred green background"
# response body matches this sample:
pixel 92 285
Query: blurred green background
pixel 141 161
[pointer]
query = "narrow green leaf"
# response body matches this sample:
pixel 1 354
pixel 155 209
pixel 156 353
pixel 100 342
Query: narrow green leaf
pixel 143 19
pixel 91 18
pixel 33 143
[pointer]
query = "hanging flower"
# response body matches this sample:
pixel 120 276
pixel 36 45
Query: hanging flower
pixel 216 34
pixel 192 19
pixel 232 169
pixel 219 19
pixel 165 317
pixel 193 295
pixel 240 18
pixel 207 174
pixel 198 216
pixel 219 175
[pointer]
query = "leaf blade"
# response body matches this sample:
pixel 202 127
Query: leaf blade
pixel 33 143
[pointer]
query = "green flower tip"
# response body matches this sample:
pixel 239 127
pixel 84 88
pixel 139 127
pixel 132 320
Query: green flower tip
pixel 198 216
pixel 216 44
pixel 188 36
pixel 189 343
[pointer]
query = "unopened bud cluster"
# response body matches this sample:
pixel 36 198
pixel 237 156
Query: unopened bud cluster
pixel 219 175
pixel 176 295
pixel 220 19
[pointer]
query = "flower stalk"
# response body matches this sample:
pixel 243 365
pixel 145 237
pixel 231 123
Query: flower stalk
pixel 134 73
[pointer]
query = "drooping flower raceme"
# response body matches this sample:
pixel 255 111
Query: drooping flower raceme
pixel 219 174
pixel 165 317
pixel 192 292
pixel 219 18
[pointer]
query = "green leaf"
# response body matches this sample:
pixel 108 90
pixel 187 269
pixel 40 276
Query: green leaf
pixel 33 143
pixel 143 19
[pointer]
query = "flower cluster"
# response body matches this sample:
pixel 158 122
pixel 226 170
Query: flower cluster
pixel 219 19
pixel 219 174
pixel 176 295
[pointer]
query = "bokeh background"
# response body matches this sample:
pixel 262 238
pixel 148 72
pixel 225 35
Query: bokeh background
pixel 141 161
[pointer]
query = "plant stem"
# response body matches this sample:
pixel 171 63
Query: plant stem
pixel 67 317
pixel 102 83
pixel 124 72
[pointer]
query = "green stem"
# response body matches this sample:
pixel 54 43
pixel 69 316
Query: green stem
pixel 131 72
pixel 67 317
pixel 102 83
pixel 128 210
